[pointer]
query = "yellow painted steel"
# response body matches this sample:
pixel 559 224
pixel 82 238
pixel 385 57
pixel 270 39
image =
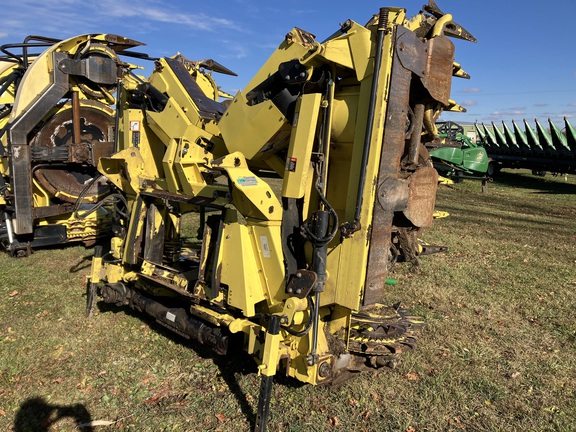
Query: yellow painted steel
pixel 298 171
pixel 21 98
pixel 309 131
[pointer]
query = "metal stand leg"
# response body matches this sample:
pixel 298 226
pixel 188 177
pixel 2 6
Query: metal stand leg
pixel 91 286
pixel 270 351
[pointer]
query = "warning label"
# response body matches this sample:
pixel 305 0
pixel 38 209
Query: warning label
pixel 291 164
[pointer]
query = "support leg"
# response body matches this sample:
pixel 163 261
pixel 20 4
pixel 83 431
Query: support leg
pixel 269 363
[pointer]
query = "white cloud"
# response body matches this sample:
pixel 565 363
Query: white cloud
pixel 469 103
pixel 199 21
pixel 69 17
pixel 507 113
pixel 233 50
pixel 471 90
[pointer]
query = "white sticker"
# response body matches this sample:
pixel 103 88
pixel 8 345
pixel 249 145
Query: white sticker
pixel 247 181
pixel 134 125
pixel 265 247
pixel 170 316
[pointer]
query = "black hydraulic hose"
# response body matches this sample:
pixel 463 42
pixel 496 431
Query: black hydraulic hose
pixel 7 82
pixel 308 326
pixel 83 193
pixel 381 32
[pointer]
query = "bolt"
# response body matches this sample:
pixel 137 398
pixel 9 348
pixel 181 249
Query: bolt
pixel 299 291
pixel 324 370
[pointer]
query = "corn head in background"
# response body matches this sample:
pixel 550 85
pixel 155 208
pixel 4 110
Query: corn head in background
pixel 56 121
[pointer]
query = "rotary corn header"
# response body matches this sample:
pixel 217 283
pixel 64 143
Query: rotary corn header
pixel 551 149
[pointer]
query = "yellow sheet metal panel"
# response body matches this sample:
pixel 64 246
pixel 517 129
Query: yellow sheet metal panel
pixel 351 50
pixel 38 78
pixel 240 270
pixel 291 48
pixel 251 195
pixel 298 170
pixel 267 240
pixel 252 129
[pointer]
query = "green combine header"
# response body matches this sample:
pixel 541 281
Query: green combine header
pixel 539 149
pixel 455 155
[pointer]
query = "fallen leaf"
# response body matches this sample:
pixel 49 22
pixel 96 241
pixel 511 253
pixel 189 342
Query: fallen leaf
pixel 515 375
pixel 334 421
pixel 96 423
pixel 2 413
pixel 152 399
pixel 57 380
pixel 412 377
pixel 13 293
pixel 221 417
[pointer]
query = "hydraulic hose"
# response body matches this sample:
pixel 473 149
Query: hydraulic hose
pixel 381 32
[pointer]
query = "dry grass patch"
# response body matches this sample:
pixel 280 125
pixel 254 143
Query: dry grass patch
pixel 498 354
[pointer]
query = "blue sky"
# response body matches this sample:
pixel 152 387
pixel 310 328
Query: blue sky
pixel 522 66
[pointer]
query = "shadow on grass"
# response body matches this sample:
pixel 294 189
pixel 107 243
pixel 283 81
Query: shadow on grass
pixel 541 184
pixel 36 415
pixel 84 263
pixel 235 362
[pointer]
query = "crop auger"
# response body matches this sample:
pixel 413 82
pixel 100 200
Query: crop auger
pixel 299 188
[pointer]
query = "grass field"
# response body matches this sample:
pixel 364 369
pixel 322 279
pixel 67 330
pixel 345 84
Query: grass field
pixel 498 354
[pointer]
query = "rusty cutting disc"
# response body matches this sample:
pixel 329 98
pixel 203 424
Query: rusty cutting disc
pixel 66 181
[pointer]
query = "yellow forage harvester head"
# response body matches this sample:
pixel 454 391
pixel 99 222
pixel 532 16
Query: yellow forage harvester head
pixel 305 187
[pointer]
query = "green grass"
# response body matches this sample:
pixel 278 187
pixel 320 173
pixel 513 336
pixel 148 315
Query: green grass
pixel 498 354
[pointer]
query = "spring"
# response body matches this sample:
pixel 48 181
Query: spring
pixel 383 18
